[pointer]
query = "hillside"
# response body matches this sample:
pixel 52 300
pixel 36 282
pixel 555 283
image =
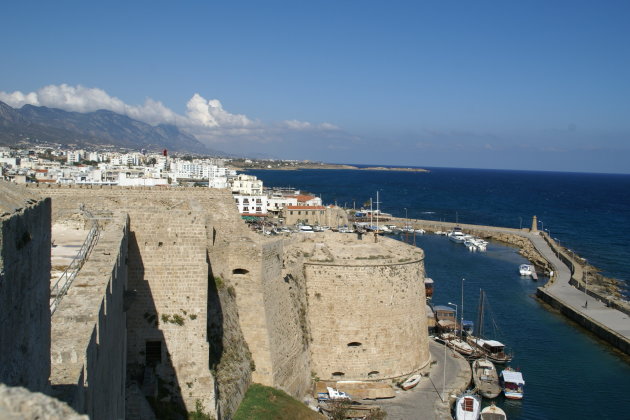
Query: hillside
pixel 100 128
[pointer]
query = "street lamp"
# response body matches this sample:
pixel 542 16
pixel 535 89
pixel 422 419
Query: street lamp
pixel 521 219
pixel 543 225
pixel 455 315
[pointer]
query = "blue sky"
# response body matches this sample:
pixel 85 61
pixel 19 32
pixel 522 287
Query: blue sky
pixel 490 84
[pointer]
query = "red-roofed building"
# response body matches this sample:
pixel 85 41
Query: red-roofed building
pixel 308 200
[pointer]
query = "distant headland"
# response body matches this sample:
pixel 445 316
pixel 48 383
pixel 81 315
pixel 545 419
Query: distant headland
pixel 292 165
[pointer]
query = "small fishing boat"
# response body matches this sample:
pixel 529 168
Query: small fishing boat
pixel 411 382
pixel 513 384
pixel 486 378
pixel 492 412
pixel 457 344
pixel 526 269
pixel 491 349
pixel 467 407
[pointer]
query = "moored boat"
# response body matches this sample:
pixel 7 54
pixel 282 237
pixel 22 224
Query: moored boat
pixel 486 378
pixel 411 382
pixel 467 407
pixel 456 235
pixel 526 269
pixel 457 344
pixel 492 412
pixel 512 383
pixel 491 349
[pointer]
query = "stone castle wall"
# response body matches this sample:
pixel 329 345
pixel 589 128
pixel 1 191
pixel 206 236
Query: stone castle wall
pixel 25 241
pixel 271 306
pixel 197 277
pixel 88 349
pixel 168 271
pixel 367 316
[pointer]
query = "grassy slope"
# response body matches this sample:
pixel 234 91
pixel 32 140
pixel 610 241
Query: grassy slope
pixel 265 403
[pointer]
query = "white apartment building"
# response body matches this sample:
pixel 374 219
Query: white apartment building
pixel 74 156
pixel 277 202
pixel 255 205
pixel 246 185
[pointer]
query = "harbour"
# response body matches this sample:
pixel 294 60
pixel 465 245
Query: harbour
pixel 553 352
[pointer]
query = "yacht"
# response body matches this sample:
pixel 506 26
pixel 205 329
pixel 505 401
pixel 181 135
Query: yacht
pixel 457 236
pixel 526 269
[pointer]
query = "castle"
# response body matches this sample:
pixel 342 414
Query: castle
pixel 180 302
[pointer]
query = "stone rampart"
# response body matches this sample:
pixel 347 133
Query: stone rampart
pixel 24 288
pixel 178 239
pixel 88 351
pixel 272 313
pixel 366 309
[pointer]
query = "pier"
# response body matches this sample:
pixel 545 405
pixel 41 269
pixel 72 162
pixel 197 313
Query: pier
pixel 566 289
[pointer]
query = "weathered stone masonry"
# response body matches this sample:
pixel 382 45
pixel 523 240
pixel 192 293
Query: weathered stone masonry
pixel 24 288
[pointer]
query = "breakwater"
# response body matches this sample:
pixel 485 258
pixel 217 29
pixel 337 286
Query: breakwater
pixel 586 298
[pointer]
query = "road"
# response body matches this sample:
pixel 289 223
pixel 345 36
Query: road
pixel 425 400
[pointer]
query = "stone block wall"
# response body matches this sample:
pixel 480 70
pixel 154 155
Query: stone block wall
pixel 25 241
pixel 367 319
pixel 88 350
pixel 272 310
pixel 168 270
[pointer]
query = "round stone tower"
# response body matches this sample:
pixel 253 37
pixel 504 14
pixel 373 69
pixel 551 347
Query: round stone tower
pixel 366 308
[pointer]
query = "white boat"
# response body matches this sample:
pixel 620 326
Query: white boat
pixel 457 344
pixel 456 235
pixel 492 412
pixel 335 394
pixel 526 269
pixel 420 231
pixel 513 384
pixel 486 378
pixel 467 407
pixel 411 382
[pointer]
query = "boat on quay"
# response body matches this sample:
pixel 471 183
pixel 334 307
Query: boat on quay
pixel 512 383
pixel 467 406
pixel 411 382
pixel 486 378
pixel 492 412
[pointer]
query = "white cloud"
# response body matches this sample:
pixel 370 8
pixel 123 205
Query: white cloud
pixel 205 118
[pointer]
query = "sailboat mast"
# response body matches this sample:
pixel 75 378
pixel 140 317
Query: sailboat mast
pixel 461 325
pixel 482 297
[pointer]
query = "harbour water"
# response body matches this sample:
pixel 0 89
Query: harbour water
pixel 569 374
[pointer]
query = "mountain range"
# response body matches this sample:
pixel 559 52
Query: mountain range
pixel 31 124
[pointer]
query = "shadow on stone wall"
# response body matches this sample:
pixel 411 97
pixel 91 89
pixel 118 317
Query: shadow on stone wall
pixel 230 359
pixel 149 361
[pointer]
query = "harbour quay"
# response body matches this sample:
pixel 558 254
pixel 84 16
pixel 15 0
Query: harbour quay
pixel 572 288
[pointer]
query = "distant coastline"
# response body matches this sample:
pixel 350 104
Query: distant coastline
pixel 304 165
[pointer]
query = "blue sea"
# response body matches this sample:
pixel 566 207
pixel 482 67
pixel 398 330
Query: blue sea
pixel 569 373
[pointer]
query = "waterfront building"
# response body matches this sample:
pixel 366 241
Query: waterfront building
pixel 246 185
pixel 251 205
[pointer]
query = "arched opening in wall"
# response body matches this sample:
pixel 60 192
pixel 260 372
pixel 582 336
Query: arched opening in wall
pixel 355 344
pixel 373 374
pixel 240 271
pixel 337 375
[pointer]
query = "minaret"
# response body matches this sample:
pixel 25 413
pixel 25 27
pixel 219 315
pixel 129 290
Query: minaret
pixel 534 224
